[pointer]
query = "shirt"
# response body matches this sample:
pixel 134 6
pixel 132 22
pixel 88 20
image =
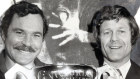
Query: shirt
pixel 124 68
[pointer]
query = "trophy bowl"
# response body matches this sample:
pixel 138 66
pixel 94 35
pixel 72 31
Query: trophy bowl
pixel 65 72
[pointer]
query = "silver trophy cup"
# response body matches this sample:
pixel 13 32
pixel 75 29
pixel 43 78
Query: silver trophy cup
pixel 65 72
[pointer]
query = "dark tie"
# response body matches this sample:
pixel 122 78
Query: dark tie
pixel 120 74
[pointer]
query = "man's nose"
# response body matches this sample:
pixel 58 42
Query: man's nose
pixel 27 40
pixel 114 37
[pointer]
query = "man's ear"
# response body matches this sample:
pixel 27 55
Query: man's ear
pixel 3 36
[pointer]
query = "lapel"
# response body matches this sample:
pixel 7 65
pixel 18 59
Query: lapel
pixel 2 62
pixel 134 71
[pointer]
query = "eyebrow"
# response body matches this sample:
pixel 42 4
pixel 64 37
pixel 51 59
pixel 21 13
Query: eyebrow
pixel 14 29
pixel 122 27
pixel 105 29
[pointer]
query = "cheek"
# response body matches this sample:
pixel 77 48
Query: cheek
pixel 12 40
pixel 127 45
pixel 104 47
pixel 37 43
pixel 127 41
pixel 104 41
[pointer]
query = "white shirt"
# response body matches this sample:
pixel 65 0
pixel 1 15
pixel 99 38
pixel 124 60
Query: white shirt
pixel 12 72
pixel 125 68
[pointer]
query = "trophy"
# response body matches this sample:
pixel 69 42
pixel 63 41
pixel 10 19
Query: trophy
pixel 65 72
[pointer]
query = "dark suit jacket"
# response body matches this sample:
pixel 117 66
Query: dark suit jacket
pixel 1 75
pixel 134 71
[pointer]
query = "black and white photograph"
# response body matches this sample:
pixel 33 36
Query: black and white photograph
pixel 69 39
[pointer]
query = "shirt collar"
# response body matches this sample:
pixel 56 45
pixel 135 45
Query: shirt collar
pixel 124 68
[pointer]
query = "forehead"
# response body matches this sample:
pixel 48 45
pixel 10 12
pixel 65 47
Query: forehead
pixel 30 22
pixel 115 24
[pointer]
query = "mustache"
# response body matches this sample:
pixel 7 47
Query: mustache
pixel 24 48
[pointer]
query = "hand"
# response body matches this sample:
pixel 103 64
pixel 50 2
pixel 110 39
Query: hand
pixel 15 73
pixel 106 76
pixel 107 72
pixel 111 77
pixel 20 75
pixel 71 26
pixel 72 34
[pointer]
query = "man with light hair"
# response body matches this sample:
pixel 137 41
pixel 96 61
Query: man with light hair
pixel 116 31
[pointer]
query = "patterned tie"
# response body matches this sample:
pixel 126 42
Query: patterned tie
pixel 107 71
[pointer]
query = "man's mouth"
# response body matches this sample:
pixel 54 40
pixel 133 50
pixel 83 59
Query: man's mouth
pixel 115 47
pixel 24 48
pixel 25 52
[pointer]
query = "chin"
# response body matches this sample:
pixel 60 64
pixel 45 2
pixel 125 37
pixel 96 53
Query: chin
pixel 23 62
pixel 115 59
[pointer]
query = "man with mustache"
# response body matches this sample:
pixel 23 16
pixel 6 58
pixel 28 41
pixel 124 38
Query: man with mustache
pixel 116 32
pixel 23 30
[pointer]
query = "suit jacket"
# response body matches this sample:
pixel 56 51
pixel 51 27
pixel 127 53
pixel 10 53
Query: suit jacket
pixel 2 75
pixel 134 71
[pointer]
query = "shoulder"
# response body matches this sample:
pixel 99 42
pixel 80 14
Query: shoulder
pixel 1 75
pixel 134 71
pixel 135 66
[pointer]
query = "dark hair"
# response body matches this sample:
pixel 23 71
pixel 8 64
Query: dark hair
pixel 114 12
pixel 22 9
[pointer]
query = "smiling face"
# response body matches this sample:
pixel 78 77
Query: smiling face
pixel 24 38
pixel 115 37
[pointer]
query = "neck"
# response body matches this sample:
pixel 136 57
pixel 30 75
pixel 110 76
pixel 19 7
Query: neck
pixel 116 64
pixel 29 66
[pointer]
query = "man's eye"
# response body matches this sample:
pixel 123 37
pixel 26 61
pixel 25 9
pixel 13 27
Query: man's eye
pixel 121 31
pixel 18 32
pixel 37 35
pixel 106 33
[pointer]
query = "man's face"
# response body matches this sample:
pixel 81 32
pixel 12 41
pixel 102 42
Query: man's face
pixel 115 37
pixel 24 38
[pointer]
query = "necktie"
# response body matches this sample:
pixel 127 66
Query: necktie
pixel 120 74
pixel 107 71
